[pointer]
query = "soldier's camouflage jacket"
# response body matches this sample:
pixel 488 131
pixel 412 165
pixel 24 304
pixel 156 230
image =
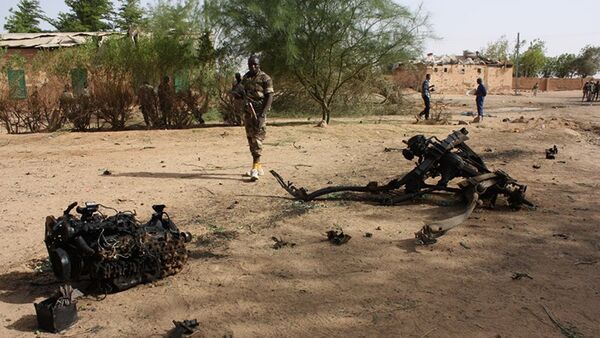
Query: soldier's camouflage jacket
pixel 256 86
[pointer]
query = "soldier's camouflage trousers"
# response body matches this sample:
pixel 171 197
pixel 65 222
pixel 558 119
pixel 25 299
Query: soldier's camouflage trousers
pixel 256 130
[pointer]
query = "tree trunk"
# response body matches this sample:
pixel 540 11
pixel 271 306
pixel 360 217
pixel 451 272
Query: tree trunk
pixel 326 112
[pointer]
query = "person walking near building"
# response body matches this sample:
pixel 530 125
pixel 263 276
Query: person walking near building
pixel 426 89
pixel 535 88
pixel 585 89
pixel 480 94
pixel 258 97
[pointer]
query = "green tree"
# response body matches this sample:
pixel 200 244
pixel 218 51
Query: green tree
pixel 85 16
pixel 550 66
pixel 130 14
pixel 532 61
pixel 565 65
pixel 26 18
pixel 588 61
pixel 324 45
pixel 497 50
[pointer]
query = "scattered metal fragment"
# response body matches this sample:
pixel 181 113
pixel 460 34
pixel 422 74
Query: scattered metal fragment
pixel 551 153
pixel 448 159
pixel 184 328
pixel 337 238
pixel 389 150
pixel 520 275
pixel 280 243
pixel 58 312
pixel 116 252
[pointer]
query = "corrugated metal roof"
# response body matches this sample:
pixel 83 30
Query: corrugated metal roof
pixel 48 40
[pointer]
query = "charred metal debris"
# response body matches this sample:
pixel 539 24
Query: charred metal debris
pixel 337 238
pixel 58 312
pixel 447 159
pixel 114 252
pixel 551 153
pixel 183 328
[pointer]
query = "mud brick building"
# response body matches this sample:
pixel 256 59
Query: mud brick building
pixel 456 74
pixel 28 44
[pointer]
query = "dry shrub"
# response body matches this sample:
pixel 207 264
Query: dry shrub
pixel 47 106
pixel 112 99
pixel 78 110
pixel 293 99
pixel 439 114
pixel 4 116
pixel 11 115
pixel 230 109
pixel 23 116
pixel 188 107
pixel 40 112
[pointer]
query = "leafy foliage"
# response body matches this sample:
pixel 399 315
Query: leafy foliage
pixel 533 59
pixel 26 18
pixel 323 45
pixel 588 61
pixel 560 66
pixel 497 50
pixel 130 15
pixel 85 16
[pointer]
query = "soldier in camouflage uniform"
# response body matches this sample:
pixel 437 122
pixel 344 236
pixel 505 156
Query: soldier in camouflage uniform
pixel 67 103
pixel 148 104
pixel 258 97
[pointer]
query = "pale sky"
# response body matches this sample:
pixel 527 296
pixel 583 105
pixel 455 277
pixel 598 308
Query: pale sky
pixel 565 26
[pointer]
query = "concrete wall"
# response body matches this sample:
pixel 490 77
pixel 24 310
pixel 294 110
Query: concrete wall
pixel 457 79
pixel 550 84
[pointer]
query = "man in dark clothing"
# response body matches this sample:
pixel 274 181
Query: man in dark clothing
pixel 585 89
pixel 166 100
pixel 426 90
pixel 148 104
pixel 480 94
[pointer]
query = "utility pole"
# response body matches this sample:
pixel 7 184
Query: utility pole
pixel 517 64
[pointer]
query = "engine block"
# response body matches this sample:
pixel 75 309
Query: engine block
pixel 116 252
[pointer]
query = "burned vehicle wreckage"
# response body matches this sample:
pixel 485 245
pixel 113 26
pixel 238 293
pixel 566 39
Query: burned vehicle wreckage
pixel 448 159
pixel 114 252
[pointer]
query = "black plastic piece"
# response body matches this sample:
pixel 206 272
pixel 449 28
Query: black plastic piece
pixel 53 316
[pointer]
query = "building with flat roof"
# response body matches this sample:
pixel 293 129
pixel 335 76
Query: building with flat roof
pixel 455 74
pixel 28 44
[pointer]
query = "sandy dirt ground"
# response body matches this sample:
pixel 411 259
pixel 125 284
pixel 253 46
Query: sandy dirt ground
pixel 236 284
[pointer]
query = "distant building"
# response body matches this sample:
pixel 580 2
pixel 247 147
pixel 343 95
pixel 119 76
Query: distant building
pixel 456 74
pixel 28 44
